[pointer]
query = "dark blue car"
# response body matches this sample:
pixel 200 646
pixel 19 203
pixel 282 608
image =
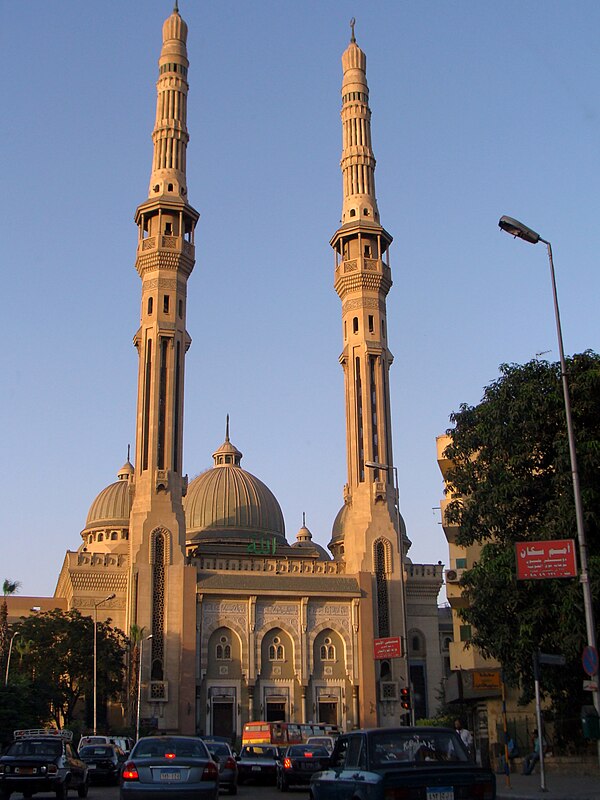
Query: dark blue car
pixel 408 763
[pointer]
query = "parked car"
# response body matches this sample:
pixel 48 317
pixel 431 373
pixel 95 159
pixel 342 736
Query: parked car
pixel 103 761
pixel 228 769
pixel 42 760
pixel 299 763
pixel 328 742
pixel 169 766
pixel 257 763
pixel 402 762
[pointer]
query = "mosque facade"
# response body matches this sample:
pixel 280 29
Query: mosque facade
pixel 238 623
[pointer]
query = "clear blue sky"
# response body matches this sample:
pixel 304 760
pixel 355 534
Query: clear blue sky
pixel 479 109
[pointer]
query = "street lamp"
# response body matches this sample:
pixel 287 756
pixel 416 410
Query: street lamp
pixel 16 633
pixel 517 229
pixel 139 691
pixel 376 465
pixel 99 603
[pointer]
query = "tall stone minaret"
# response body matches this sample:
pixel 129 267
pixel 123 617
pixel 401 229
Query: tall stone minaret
pixel 162 587
pixel 369 534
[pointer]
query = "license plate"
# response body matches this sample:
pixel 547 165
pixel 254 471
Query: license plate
pixel 26 770
pixel 256 769
pixel 440 793
pixel 91 766
pixel 170 775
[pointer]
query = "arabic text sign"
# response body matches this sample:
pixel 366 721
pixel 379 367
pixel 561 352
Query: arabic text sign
pixel 486 679
pixel 387 647
pixel 550 559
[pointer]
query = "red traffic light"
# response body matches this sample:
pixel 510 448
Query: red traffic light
pixel 405 698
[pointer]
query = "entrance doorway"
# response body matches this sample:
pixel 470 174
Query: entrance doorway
pixel 222 718
pixel 275 710
pixel 328 712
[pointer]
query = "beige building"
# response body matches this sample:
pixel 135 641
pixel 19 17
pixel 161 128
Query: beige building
pixel 243 624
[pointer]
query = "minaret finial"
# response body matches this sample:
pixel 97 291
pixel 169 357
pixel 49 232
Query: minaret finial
pixel 176 8
pixel 227 429
pixel 352 24
pixel 304 519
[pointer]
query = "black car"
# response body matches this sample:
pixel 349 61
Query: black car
pixel 257 763
pixel 103 762
pixel 383 763
pixel 42 760
pixel 299 763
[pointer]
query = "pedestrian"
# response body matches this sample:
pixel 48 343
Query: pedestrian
pixel 465 735
pixel 532 759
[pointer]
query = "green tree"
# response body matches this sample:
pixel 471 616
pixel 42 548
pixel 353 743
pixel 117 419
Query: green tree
pixel 511 481
pixel 136 634
pixel 8 588
pixel 59 660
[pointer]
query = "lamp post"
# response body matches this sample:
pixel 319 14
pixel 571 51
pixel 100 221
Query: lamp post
pixel 375 465
pixel 16 633
pixel 99 603
pixel 517 229
pixel 139 687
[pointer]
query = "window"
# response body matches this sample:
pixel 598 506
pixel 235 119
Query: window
pixel 166 304
pixel 371 323
pixel 352 212
pixel 223 649
pixel 465 633
pixel 276 651
pixel 181 309
pixel 355 757
pixel 100 537
pixel 327 650
pixel 355 325
pixel 150 305
pixel 168 228
pixel 170 187
pixel 367 251
pixel 461 563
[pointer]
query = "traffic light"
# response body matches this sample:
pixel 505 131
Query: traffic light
pixel 405 701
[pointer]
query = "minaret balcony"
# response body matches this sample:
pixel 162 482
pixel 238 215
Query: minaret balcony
pixel 173 243
pixel 362 263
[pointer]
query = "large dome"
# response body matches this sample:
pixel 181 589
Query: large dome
pixel 226 503
pixel 113 504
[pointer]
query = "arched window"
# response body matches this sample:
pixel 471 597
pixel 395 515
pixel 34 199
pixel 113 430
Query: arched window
pixel 276 651
pixel 223 650
pixel 327 650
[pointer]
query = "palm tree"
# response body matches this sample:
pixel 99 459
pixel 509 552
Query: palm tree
pixel 8 588
pixel 136 634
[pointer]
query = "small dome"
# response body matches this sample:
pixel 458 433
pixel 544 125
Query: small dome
pixel 228 503
pixel 113 505
pixel 304 540
pixel 337 530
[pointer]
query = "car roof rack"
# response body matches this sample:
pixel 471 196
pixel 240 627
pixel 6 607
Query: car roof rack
pixel 31 733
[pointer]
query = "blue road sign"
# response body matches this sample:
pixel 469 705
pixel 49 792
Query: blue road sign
pixel 589 659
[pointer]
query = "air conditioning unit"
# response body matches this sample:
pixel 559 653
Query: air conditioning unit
pixel 454 575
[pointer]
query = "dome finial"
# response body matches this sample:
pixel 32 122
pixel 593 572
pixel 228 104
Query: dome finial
pixel 227 429
pixel 352 24
pixel 304 519
pixel 128 451
pixel 176 8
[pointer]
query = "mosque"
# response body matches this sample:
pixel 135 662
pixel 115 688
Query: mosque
pixel 240 624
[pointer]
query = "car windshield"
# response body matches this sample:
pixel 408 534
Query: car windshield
pixel 257 751
pixel 33 748
pixel 105 752
pixel 307 751
pixel 169 748
pixel 217 749
pixel 387 749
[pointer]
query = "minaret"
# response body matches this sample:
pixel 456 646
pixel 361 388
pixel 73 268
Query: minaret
pixel 165 259
pixel 368 533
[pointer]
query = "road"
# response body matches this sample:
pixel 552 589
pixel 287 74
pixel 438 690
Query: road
pixel 246 791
